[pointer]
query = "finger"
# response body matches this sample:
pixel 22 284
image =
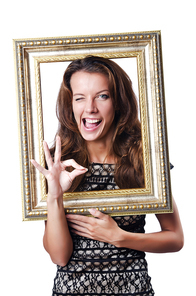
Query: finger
pixel 77 172
pixel 78 218
pixel 81 220
pixel 39 167
pixel 85 226
pixel 98 214
pixel 82 233
pixel 80 230
pixel 78 226
pixel 73 163
pixel 57 154
pixel 48 157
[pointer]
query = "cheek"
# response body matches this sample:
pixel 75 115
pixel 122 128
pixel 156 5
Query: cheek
pixel 109 113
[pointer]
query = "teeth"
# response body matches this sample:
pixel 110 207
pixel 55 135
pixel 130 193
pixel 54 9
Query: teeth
pixel 92 120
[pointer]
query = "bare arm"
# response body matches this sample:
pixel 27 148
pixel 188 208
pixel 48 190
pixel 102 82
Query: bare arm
pixel 57 239
pixel 169 239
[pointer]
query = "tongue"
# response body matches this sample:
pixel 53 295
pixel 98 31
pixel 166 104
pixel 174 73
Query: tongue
pixel 91 125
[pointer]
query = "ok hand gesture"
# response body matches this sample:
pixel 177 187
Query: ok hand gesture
pixel 59 180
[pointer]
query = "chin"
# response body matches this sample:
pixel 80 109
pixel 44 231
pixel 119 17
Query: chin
pixel 90 136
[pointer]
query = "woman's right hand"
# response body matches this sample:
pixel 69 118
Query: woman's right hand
pixel 59 179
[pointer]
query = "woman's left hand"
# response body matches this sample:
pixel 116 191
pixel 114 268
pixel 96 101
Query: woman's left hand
pixel 101 227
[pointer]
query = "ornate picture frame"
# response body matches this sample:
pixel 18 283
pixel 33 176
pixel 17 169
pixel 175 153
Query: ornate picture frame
pixel 39 67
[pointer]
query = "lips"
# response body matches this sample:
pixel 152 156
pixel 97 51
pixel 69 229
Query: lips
pixel 91 123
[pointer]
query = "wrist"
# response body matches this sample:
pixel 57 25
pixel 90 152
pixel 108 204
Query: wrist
pixel 122 238
pixel 54 199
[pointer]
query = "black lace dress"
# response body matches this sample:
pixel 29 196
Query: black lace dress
pixel 97 268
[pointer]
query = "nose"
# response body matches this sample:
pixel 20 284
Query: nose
pixel 90 106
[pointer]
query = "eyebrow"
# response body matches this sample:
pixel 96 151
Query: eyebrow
pixel 78 94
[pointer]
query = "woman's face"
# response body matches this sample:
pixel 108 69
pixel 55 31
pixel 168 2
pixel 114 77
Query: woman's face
pixel 92 105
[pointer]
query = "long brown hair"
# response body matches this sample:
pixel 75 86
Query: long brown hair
pixel 126 144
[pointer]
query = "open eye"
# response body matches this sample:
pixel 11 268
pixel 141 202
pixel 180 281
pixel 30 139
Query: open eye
pixel 103 96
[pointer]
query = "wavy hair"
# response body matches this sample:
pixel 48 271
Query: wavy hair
pixel 126 144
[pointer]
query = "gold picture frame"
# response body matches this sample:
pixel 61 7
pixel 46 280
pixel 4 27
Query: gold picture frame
pixel 39 67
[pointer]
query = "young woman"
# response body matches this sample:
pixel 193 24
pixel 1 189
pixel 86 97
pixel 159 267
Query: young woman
pixel 98 147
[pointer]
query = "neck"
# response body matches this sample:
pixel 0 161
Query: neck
pixel 100 152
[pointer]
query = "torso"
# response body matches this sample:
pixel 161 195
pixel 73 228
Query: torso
pixel 98 268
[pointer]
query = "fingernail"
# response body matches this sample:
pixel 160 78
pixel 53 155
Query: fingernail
pixel 83 168
pixel 92 211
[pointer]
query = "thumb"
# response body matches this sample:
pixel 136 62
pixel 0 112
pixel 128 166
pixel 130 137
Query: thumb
pixel 77 172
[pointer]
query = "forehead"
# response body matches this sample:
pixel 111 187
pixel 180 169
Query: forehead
pixel 88 81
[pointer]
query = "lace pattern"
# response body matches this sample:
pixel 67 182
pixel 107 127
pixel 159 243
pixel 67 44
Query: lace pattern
pixel 98 268
pixel 99 177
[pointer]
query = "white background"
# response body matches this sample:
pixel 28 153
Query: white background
pixel 26 268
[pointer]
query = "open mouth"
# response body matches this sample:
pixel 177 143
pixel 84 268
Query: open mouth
pixel 91 123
